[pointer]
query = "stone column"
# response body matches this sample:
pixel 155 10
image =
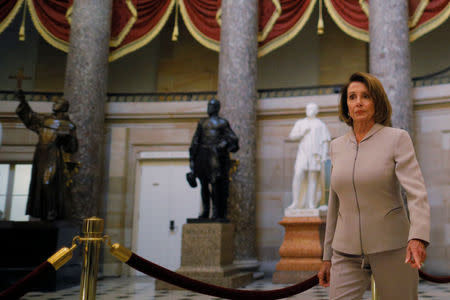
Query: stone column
pixel 85 89
pixel 237 94
pixel 390 56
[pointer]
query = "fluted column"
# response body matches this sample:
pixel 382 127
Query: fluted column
pixel 237 93
pixel 85 88
pixel 390 56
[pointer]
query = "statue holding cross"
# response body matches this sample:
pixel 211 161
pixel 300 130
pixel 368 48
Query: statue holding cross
pixel 49 194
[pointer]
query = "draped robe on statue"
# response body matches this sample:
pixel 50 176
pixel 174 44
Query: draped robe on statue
pixel 48 196
pixel 312 151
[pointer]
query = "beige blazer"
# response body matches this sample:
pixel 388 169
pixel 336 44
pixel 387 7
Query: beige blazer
pixel 365 210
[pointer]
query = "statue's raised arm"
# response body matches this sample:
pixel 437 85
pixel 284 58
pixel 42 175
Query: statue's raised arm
pixel 48 196
pixel 30 119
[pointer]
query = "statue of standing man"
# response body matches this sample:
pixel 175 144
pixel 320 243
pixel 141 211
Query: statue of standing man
pixel 48 195
pixel 210 161
pixel 313 137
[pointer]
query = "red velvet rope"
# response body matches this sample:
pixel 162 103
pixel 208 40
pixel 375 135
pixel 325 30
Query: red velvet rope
pixel 24 285
pixel 168 276
pixel 435 279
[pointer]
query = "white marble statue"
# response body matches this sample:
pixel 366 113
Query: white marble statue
pixel 307 184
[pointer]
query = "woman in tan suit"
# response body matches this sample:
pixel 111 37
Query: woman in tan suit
pixel 368 230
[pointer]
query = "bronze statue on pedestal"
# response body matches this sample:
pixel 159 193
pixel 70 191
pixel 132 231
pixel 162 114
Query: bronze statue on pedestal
pixel 210 161
pixel 48 196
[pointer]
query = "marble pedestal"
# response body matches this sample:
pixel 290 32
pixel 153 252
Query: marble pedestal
pixel 207 254
pixel 301 251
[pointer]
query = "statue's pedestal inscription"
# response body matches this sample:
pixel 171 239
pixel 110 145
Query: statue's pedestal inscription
pixel 207 254
pixel 301 251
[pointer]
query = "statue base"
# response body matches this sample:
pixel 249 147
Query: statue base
pixel 206 220
pixel 207 255
pixel 301 251
pixel 306 212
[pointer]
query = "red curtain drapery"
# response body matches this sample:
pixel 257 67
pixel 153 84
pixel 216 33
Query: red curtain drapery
pixel 49 18
pixel 152 15
pixel 136 22
pixel 202 18
pixel 434 14
pixel 352 16
pixel 8 10
pixel 279 21
pixel 294 15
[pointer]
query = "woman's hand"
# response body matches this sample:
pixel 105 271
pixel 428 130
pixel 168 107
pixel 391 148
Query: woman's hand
pixel 415 254
pixel 324 273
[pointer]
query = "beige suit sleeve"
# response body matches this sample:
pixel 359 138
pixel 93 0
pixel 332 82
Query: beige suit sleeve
pixel 410 177
pixel 333 208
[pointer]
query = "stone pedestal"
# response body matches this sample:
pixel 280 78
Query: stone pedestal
pixel 301 251
pixel 207 253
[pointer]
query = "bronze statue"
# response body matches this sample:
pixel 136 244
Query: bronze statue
pixel 48 196
pixel 210 161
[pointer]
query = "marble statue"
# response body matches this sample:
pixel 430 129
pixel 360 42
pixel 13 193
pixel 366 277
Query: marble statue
pixel 210 161
pixel 307 184
pixel 48 195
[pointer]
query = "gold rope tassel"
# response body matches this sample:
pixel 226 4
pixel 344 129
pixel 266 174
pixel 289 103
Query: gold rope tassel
pixel 320 24
pixel 22 26
pixel 175 28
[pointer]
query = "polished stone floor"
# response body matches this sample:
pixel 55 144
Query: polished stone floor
pixel 142 288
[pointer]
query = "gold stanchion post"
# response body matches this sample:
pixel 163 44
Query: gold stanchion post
pixel 373 288
pixel 92 231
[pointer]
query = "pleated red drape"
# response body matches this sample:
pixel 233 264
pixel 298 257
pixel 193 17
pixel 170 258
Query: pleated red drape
pixel 8 10
pixel 279 21
pixel 49 17
pixel 294 15
pixel 352 16
pixel 152 15
pixel 432 10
